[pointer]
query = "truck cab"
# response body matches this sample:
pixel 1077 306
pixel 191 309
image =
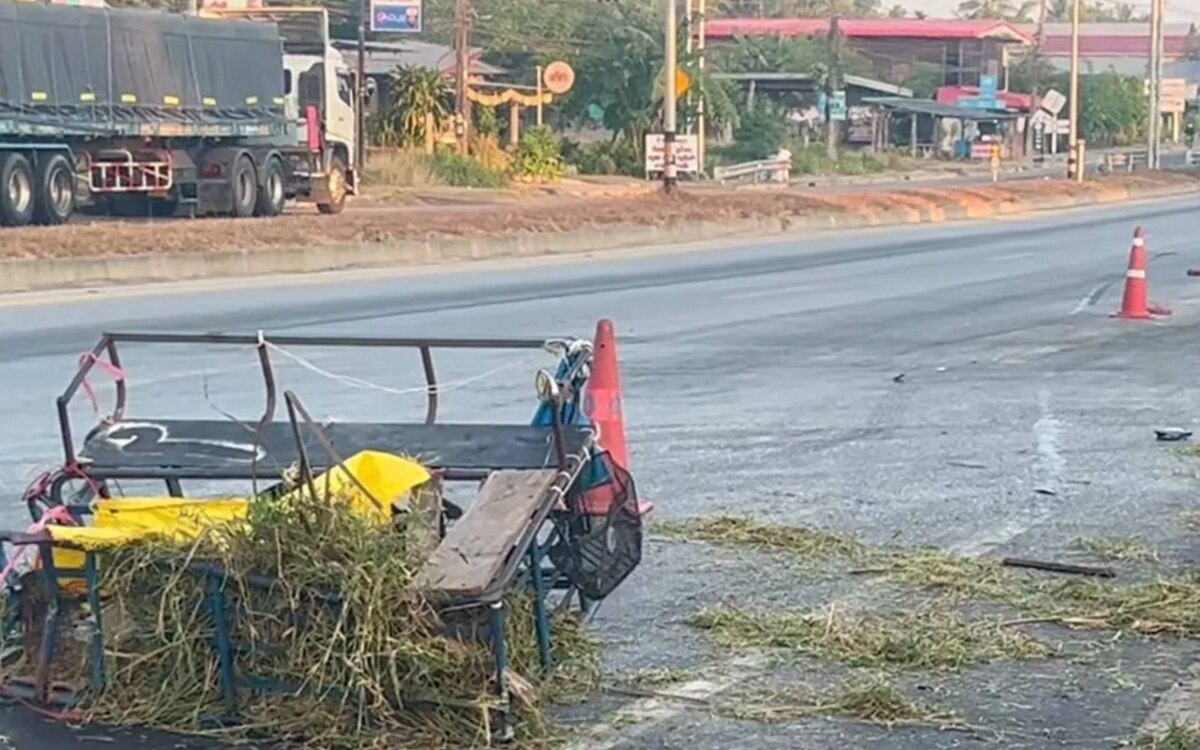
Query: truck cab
pixel 315 75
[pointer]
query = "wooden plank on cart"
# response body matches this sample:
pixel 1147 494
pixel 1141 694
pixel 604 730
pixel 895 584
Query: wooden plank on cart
pixel 476 548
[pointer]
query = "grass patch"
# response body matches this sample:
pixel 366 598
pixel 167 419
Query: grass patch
pixel 657 676
pixel 875 701
pixel 1162 607
pixel 1192 521
pixel 1177 737
pixel 800 541
pixel 926 639
pixel 1119 549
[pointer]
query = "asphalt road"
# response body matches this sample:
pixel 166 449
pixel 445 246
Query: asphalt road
pixel 759 380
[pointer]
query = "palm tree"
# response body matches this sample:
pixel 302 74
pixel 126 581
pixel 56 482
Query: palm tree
pixel 416 94
pixel 999 10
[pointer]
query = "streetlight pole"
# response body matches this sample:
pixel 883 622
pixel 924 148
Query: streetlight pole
pixel 669 100
pixel 1074 168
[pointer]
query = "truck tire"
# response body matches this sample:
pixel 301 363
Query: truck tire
pixel 55 191
pixel 16 190
pixel 244 183
pixel 272 193
pixel 337 188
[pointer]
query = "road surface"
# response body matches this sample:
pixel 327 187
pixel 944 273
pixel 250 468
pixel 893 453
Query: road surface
pixel 760 379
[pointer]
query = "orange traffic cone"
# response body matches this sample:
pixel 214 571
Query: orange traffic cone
pixel 602 404
pixel 1133 306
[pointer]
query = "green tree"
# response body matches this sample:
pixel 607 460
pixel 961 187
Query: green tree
pixel 1000 10
pixel 1112 109
pixel 416 93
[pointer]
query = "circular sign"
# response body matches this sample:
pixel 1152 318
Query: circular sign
pixel 558 77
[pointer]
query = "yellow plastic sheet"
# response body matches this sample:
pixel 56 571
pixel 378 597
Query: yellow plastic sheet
pixel 387 480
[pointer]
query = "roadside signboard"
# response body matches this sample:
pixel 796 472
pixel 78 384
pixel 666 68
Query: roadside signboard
pixel 1053 102
pixel 1172 96
pixel 396 16
pixel 686 153
pixel 558 78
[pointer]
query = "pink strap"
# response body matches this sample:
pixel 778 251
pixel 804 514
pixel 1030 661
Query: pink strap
pixel 117 374
pixel 58 514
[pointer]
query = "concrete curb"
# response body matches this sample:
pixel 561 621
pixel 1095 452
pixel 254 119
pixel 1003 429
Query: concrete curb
pixel 44 274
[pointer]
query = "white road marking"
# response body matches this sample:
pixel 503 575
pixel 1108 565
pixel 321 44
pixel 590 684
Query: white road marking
pixel 1179 704
pixel 771 292
pixel 1049 469
pixel 1012 256
pixel 640 716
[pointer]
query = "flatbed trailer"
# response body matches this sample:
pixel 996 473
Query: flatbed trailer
pixel 146 113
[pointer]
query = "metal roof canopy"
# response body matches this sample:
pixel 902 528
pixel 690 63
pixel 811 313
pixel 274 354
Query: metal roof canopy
pixel 933 109
pixel 808 78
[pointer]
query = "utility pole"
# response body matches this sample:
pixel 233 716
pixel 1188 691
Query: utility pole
pixel 689 45
pixel 360 89
pixel 1035 85
pixel 462 49
pixel 1153 134
pixel 833 83
pixel 702 9
pixel 1074 168
pixel 669 100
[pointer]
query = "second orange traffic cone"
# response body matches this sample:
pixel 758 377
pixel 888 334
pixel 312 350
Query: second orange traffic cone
pixel 1134 304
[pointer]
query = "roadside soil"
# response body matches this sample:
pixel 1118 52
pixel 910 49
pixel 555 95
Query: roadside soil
pixel 621 206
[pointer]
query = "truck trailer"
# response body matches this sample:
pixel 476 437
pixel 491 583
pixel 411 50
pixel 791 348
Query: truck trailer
pixel 149 113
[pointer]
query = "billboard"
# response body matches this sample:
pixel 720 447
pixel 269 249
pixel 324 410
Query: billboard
pixel 396 16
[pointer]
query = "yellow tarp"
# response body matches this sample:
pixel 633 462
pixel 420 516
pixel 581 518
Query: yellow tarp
pixel 121 522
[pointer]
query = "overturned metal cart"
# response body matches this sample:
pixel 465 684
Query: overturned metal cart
pixel 554 514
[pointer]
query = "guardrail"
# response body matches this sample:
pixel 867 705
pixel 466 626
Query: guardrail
pixel 769 170
pixel 1126 161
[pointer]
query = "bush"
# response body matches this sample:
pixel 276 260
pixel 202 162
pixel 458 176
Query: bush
pixel 464 171
pixel 760 134
pixel 618 157
pixel 539 156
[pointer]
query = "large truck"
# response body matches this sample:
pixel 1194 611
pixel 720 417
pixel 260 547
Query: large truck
pixel 149 113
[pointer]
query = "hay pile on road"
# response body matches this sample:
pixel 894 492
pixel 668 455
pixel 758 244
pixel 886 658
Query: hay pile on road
pixel 359 658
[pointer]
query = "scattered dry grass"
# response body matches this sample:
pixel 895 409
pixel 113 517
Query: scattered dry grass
pixel 1177 737
pixel 875 701
pixel 926 639
pixel 1192 520
pixel 799 541
pixel 1119 549
pixel 658 676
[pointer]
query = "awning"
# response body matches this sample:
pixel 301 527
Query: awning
pixel 933 109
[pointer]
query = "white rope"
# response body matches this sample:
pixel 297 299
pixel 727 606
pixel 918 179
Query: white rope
pixel 353 382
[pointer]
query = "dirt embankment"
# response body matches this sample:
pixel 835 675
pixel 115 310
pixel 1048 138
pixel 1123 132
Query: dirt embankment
pixel 376 224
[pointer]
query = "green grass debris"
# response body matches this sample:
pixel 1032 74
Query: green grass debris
pixel 1176 737
pixel 359 658
pixel 1118 549
pixel 800 541
pixel 873 700
pixel 924 639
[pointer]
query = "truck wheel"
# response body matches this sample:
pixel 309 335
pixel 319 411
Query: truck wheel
pixel 245 187
pixel 272 193
pixel 337 188
pixel 16 190
pixel 55 191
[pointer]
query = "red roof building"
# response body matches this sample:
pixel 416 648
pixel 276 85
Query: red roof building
pixel 1121 47
pixel 963 50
